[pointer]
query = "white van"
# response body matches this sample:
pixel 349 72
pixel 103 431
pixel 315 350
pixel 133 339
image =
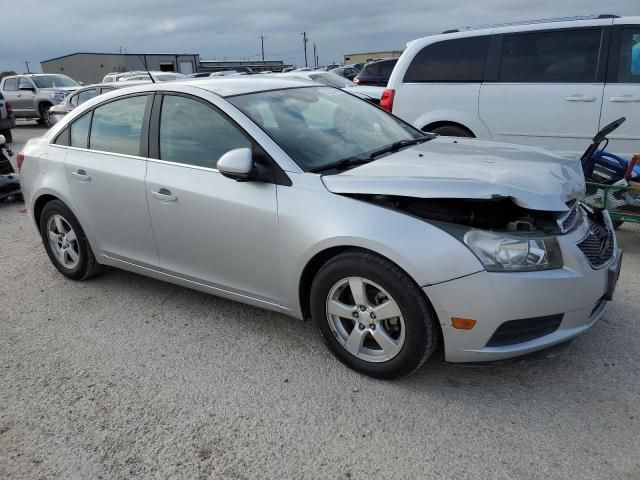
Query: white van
pixel 551 84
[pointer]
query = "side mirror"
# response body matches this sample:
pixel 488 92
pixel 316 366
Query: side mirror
pixel 2 140
pixel 238 164
pixel 29 88
pixel 80 83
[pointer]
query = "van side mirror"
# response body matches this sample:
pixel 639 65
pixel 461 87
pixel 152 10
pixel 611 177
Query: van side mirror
pixel 29 88
pixel 2 140
pixel 238 164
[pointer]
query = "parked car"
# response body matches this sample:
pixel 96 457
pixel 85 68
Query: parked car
pixel 372 94
pixel 157 77
pixel 311 202
pixel 7 119
pixel 83 94
pixel 346 72
pixel 376 73
pixel 547 84
pixel 31 95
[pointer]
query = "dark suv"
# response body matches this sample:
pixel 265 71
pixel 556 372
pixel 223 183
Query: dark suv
pixel 376 73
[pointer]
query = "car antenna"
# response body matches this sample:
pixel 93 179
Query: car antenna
pixel 146 68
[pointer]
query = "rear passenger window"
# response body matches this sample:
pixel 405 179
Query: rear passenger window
pixel 458 60
pixel 80 131
pixel 195 134
pixel 11 84
pixel 561 56
pixel 629 62
pixel 117 125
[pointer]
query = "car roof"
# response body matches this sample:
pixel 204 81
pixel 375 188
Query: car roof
pixel 230 86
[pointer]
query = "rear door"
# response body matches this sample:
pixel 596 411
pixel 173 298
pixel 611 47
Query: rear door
pixel 208 227
pixel 105 169
pixel 442 83
pixel 545 88
pixel 26 96
pixel 10 92
pixel 622 91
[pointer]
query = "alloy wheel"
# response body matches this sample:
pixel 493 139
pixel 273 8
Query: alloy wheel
pixel 365 319
pixel 63 242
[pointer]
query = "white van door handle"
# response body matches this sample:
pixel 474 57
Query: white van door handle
pixel 580 98
pixel 625 98
pixel 164 195
pixel 81 175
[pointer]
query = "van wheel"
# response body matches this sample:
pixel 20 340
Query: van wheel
pixel 43 110
pixel 66 243
pixel 372 316
pixel 452 131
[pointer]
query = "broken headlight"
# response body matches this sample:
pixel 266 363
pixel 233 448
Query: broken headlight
pixel 500 252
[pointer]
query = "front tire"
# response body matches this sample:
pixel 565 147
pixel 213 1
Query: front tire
pixel 372 315
pixel 66 243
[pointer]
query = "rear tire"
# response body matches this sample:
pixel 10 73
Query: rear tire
pixel 358 332
pixel 452 131
pixel 66 243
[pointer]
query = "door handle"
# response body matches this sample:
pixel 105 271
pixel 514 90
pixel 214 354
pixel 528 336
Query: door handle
pixel 580 98
pixel 164 195
pixel 625 98
pixel 81 175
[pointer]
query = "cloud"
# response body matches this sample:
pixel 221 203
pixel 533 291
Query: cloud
pixel 230 29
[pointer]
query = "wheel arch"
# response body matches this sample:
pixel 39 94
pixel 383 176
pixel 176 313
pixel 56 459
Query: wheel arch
pixel 39 204
pixel 432 126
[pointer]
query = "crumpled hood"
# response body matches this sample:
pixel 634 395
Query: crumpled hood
pixel 447 167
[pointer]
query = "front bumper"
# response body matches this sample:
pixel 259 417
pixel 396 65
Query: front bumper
pixel 578 292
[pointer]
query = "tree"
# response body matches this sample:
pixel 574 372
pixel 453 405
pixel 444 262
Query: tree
pixel 7 73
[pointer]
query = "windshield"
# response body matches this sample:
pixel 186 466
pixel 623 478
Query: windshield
pixel 54 81
pixel 319 126
pixel 331 79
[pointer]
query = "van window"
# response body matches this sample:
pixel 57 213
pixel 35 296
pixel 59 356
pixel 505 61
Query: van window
pixel 629 62
pixel 116 126
pixel 458 60
pixel 560 56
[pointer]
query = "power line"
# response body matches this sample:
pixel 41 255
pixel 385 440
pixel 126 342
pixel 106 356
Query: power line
pixel 304 43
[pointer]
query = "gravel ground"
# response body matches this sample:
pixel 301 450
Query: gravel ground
pixel 127 377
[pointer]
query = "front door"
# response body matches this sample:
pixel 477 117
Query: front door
pixel 106 175
pixel 547 90
pixel 622 92
pixel 210 228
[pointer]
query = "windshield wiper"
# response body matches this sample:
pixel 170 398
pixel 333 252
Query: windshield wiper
pixel 394 147
pixel 343 164
pixel 346 163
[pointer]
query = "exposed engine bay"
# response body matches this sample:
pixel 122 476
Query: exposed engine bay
pixel 500 214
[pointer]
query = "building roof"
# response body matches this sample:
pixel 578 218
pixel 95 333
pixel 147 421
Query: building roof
pixel 128 54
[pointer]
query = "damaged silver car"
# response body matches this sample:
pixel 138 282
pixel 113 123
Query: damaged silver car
pixel 311 202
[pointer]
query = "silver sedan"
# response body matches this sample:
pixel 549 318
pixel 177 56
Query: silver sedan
pixel 309 201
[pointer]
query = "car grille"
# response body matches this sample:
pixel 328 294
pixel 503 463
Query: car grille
pixel 523 330
pixel 599 245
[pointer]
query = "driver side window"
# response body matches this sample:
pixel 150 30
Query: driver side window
pixel 194 133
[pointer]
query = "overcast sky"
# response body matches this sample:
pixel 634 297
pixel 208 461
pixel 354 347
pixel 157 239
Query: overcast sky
pixel 43 29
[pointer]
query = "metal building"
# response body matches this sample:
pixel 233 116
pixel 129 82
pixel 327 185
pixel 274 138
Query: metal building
pixel 91 67
pixel 351 58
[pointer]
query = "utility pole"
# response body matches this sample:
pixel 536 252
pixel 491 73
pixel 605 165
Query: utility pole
pixel 27 64
pixel 315 55
pixel 304 43
pixel 262 39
